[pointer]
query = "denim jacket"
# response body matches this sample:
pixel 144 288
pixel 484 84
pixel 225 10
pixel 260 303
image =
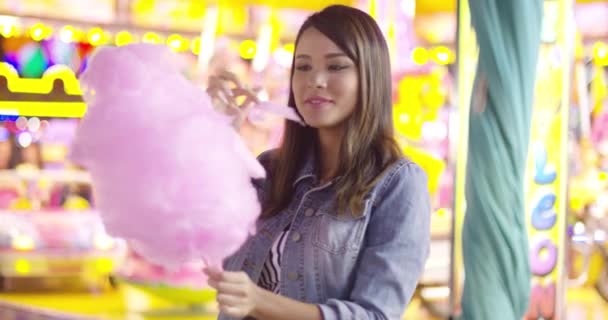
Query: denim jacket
pixel 352 268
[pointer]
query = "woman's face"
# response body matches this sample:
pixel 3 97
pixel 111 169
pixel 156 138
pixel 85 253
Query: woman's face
pixel 325 81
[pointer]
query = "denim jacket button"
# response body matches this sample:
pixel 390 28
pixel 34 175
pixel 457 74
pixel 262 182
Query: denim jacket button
pixel 295 236
pixel 292 276
pixel 309 212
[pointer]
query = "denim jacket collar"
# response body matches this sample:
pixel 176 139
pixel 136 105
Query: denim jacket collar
pixel 307 170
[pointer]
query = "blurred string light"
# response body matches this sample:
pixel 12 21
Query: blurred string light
pixel 25 139
pixel 33 124
pixel 420 56
pixel 9 26
pixel 8 31
pixel 177 43
pixel 442 55
pixel 258 51
pixel 39 32
pixel 97 36
pixel 247 49
pixel 151 37
pixel 23 266
pixel 579 228
pixel 21 123
pixel 67 34
pixel 443 212
pixel 123 38
pixel 4 134
pixel 22 243
pixel 600 53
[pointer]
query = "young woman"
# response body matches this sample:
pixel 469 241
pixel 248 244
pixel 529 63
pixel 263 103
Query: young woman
pixel 344 232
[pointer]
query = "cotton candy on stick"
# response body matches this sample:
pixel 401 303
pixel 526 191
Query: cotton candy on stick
pixel 169 173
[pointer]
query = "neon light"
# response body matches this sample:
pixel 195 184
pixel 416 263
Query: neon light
pixel 43 85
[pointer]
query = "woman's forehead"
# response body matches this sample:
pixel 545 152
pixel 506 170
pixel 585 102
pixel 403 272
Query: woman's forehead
pixel 313 43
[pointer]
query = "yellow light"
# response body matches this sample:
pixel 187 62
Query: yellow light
pixel 603 176
pixel 21 203
pixel 9 30
pixel 96 36
pixel 151 37
pixel 404 118
pixel 290 47
pixel 76 203
pixel 177 42
pixel 123 38
pixel 104 242
pixel 23 266
pixel 196 45
pixel 104 265
pixel 67 34
pixel 247 49
pixel 442 55
pixel 576 203
pixel 39 32
pixel 442 212
pixel 420 56
pixel 23 243
pixel 600 53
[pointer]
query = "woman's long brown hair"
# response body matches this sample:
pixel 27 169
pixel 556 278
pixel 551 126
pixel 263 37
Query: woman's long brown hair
pixel 368 146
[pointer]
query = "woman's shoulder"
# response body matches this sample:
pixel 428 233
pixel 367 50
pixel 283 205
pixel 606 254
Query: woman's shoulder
pixel 402 172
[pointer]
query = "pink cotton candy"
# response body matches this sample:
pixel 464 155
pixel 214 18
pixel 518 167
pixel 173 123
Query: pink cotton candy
pixel 169 173
pixel 279 110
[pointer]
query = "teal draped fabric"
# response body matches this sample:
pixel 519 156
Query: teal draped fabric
pixel 495 242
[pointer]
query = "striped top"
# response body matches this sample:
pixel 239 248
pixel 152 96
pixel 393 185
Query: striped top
pixel 271 271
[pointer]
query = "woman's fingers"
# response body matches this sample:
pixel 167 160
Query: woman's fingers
pixel 230 77
pixel 232 311
pixel 229 300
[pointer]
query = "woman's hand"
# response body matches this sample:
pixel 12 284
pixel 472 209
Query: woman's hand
pixel 224 90
pixel 237 295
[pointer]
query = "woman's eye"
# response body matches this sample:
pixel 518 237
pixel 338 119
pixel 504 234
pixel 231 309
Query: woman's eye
pixel 337 67
pixel 303 67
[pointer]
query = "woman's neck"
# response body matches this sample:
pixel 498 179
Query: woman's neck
pixel 328 153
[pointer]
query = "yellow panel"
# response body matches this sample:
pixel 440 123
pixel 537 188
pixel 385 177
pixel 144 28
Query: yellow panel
pixel 112 305
pixel 434 6
pixel 313 5
pixel 43 109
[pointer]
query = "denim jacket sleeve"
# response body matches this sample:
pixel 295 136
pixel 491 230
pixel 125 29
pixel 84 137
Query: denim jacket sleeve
pixel 395 250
